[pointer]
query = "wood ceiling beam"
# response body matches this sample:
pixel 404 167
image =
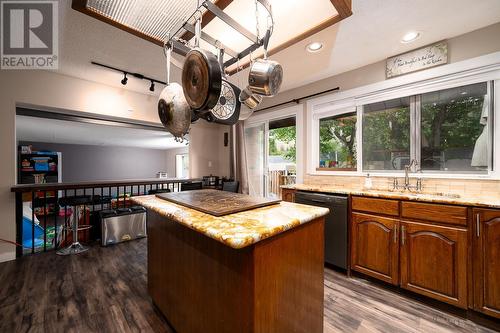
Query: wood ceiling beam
pixel 207 17
pixel 344 10
pixel 81 6
pixel 343 7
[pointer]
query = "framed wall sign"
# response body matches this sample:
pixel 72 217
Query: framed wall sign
pixel 416 60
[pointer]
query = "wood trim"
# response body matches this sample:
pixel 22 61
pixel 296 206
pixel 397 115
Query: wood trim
pixel 208 16
pixel 439 213
pixel 375 205
pixel 343 8
pixel 81 6
pixel 105 184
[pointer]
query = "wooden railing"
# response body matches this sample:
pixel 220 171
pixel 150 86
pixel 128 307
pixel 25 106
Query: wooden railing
pixel 277 178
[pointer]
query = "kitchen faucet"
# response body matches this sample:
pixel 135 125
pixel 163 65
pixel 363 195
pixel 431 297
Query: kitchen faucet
pixel 407 186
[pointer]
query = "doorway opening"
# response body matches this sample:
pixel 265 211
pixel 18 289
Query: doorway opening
pixel 271 155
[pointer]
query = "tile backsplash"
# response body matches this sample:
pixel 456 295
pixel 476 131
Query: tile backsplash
pixel 462 187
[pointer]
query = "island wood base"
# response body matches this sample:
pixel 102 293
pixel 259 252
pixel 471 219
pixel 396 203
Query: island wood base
pixel 202 285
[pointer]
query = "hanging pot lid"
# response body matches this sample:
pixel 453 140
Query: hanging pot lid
pixel 227 110
pixel 201 76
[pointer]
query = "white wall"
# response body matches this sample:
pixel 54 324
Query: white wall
pixel 170 160
pixel 47 89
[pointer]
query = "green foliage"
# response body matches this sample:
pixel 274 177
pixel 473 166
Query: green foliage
pixel 338 139
pixel 286 135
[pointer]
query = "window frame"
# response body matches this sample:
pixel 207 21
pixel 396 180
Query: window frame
pixel 477 70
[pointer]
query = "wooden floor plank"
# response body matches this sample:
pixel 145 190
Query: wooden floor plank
pixel 105 290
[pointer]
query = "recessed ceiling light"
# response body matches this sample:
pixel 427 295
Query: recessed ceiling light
pixel 410 37
pixel 314 47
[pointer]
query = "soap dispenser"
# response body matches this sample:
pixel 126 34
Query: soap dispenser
pixel 368 182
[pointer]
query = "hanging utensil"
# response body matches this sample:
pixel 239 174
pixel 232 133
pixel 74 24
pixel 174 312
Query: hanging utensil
pixel 265 75
pixel 250 99
pixel 227 110
pixel 173 109
pixel 201 76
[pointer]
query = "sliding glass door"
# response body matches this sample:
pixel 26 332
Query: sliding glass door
pixel 271 155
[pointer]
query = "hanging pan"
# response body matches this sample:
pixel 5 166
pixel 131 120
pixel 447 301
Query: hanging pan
pixel 265 75
pixel 173 109
pixel 227 109
pixel 201 76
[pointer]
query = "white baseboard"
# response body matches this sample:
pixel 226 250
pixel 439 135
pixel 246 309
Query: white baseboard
pixel 7 256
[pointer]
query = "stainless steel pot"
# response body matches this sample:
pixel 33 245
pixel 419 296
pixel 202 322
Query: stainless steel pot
pixel 250 99
pixel 174 111
pixel 265 77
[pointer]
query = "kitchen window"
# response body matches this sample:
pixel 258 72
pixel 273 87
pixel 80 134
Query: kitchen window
pixel 386 135
pixel 454 130
pixel 337 142
pixel 445 131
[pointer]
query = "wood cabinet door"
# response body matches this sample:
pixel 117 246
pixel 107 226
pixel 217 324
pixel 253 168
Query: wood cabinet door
pixel 434 262
pixel 374 246
pixel 288 195
pixel 486 263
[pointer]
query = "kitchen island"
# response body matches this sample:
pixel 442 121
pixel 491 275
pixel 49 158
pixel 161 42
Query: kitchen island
pixel 259 270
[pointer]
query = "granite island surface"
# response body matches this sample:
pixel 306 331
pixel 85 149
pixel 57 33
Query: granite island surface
pixel 259 270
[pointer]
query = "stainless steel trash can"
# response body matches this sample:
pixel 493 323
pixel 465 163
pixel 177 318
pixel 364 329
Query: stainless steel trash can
pixel 122 225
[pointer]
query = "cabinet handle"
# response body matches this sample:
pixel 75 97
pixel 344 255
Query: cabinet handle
pixel 395 233
pixel 403 234
pixel 478 225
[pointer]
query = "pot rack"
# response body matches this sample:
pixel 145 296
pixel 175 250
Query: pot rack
pixel 180 46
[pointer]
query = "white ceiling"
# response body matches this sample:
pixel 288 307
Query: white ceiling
pixel 371 34
pixel 70 132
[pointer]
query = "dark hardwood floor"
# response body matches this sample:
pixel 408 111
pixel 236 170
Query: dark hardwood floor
pixel 104 290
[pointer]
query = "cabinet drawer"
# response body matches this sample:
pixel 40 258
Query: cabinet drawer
pixel 456 215
pixel 374 205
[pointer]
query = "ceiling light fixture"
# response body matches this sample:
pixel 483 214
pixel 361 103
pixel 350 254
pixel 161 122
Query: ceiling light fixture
pixel 124 80
pixel 314 47
pixel 410 36
pixel 136 75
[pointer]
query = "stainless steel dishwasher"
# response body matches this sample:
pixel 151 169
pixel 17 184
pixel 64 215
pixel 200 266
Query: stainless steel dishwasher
pixel 335 224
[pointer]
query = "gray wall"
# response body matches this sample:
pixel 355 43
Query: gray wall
pixel 170 158
pixel 89 163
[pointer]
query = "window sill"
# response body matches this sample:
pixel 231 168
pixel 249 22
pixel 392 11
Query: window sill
pixel 344 172
pixel 337 169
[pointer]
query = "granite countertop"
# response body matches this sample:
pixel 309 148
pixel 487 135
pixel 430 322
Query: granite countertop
pixel 490 202
pixel 240 229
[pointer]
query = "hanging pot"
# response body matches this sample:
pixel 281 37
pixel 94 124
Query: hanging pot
pixel 250 99
pixel 201 77
pixel 173 109
pixel 265 75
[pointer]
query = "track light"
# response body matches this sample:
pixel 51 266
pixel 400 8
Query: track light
pixel 152 86
pixel 124 80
